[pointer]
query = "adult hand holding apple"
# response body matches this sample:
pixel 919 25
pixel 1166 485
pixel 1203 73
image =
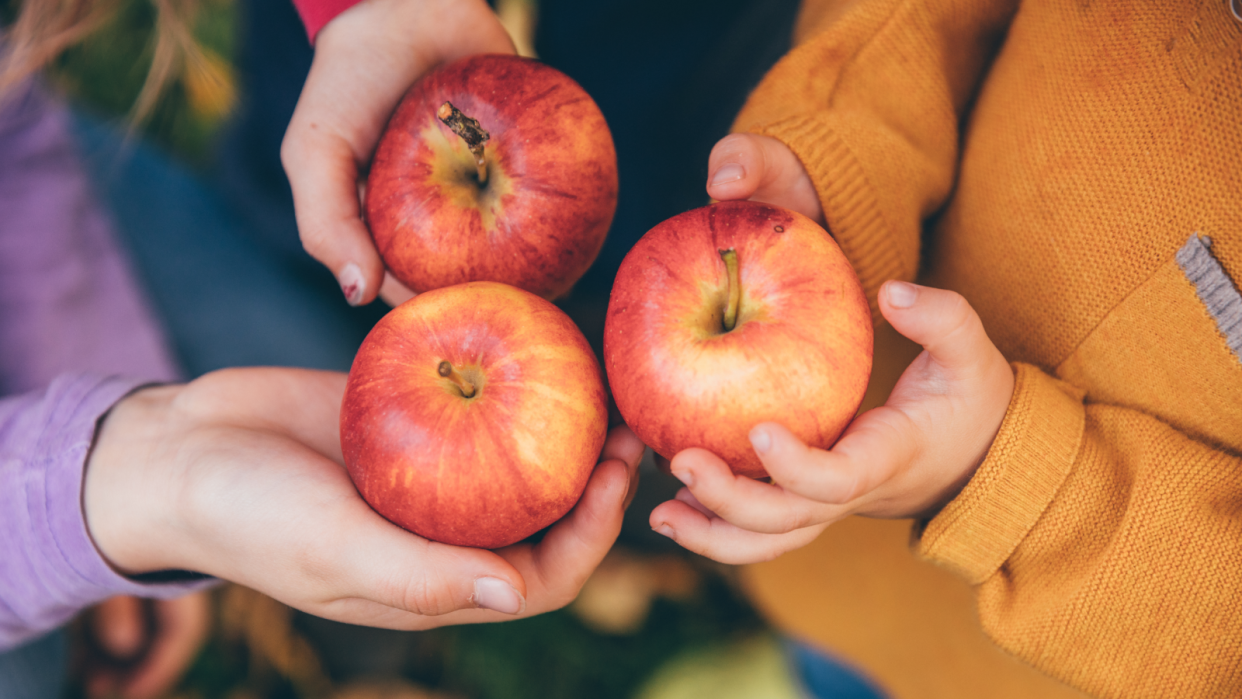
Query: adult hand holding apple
pixel 906 458
pixel 239 475
pixel 365 60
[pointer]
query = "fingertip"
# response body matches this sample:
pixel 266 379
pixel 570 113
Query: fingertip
pixel 353 283
pixel 942 321
pixel 733 168
pixel 616 480
pixel 661 516
pixel 606 492
pixel 727 173
pixel 761 440
pixel 498 595
pixel 897 299
pixel 772 439
pixel 693 459
pixel 621 443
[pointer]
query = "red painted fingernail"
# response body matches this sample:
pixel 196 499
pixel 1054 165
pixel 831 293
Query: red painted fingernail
pixel 353 284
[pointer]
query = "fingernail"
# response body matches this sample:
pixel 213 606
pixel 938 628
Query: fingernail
pixel 901 294
pixel 686 478
pixel 760 440
pixel 497 595
pixel 666 531
pixel 730 172
pixel 353 285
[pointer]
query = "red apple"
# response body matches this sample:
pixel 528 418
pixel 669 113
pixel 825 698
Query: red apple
pixel 473 415
pixel 797 352
pixel 537 220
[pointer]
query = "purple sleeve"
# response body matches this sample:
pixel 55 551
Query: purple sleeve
pixel 70 313
pixel 51 568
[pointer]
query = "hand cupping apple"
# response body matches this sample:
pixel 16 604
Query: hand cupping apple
pixel 731 315
pixel 493 168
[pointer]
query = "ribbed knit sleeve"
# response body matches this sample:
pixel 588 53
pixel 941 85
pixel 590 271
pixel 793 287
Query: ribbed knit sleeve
pixel 1029 460
pixel 871 104
pixel 1106 546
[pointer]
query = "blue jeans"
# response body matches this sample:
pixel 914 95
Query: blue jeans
pixel 823 677
pixel 35 670
pixel 223 296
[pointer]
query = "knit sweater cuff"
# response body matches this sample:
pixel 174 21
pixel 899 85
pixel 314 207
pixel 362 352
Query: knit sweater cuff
pixel 1029 460
pixel 848 198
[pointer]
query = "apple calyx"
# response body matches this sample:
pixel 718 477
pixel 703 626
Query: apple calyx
pixel 447 371
pixel 470 131
pixel 735 288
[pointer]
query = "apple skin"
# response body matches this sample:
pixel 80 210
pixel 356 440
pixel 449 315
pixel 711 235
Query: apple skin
pixel 541 218
pixel 800 352
pixel 485 471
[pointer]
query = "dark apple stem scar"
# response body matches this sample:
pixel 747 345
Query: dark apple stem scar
pixel 447 371
pixel 470 131
pixel 735 288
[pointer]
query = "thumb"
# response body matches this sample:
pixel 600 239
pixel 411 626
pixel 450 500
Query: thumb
pixel 939 320
pixel 407 572
pixel 761 168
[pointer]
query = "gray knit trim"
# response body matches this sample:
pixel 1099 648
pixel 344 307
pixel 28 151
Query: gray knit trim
pixel 1216 289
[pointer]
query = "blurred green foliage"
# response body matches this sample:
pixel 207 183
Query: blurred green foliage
pixel 105 73
pixel 552 656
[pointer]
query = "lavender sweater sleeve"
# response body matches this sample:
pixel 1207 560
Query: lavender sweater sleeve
pixel 51 567
pixel 70 315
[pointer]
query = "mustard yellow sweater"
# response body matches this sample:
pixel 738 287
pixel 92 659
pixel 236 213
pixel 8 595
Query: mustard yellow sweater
pixel 1074 169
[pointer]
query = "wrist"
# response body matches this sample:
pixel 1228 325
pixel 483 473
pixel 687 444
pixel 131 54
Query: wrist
pixel 127 503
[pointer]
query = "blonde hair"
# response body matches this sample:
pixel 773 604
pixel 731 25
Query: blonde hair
pixel 44 29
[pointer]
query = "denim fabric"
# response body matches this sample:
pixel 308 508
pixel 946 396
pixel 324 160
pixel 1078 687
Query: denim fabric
pixel 823 677
pixel 35 670
pixel 223 297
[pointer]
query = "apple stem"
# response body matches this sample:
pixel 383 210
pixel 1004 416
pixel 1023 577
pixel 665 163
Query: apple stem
pixel 447 371
pixel 735 288
pixel 470 131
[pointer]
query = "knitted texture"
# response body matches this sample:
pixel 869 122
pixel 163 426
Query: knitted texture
pixel 1056 163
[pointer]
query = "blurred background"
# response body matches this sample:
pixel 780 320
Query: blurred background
pixel 198 195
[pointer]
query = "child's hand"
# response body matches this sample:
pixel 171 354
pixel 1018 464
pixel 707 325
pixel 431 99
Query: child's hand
pixel 365 60
pixel 761 168
pixel 239 474
pixel 907 458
